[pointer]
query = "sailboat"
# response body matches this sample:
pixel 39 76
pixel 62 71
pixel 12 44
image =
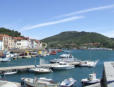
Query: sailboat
pixel 40 69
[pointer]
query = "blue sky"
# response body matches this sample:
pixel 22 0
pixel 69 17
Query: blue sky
pixel 43 18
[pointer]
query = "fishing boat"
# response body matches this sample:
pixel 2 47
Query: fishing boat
pixel 88 63
pixel 91 80
pixel 10 72
pixel 68 82
pixel 62 66
pixel 40 70
pixel 39 82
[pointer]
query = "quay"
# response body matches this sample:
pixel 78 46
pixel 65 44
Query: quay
pixel 108 74
pixel 94 85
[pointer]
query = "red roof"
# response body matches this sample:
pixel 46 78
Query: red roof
pixel 4 35
pixel 1 38
pixel 18 38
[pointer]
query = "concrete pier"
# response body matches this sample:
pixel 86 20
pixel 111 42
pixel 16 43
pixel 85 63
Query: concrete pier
pixel 25 67
pixel 108 74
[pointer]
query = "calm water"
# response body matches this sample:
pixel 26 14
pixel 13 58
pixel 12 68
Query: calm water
pixel 77 73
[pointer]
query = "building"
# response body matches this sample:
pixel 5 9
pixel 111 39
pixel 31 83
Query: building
pixel 22 43
pixel 7 42
pixel 1 44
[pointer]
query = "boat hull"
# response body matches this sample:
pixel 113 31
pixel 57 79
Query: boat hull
pixel 89 83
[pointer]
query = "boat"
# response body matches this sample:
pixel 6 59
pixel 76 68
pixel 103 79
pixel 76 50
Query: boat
pixel 91 80
pixel 65 58
pixel 5 59
pixel 88 63
pixel 10 72
pixel 62 66
pixel 39 82
pixel 40 70
pixel 53 52
pixel 68 82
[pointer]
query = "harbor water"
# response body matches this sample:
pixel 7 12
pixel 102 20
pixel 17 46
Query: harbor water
pixel 77 73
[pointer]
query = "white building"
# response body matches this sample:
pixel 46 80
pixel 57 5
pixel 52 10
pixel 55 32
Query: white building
pixel 1 45
pixel 23 44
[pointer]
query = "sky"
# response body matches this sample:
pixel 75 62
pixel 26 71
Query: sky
pixel 39 19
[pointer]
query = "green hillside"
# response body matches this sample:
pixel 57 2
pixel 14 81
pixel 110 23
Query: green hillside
pixel 74 39
pixel 10 32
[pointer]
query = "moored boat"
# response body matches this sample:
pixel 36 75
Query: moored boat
pixel 62 66
pixel 65 58
pixel 10 72
pixel 68 82
pixel 88 63
pixel 53 52
pixel 40 70
pixel 91 80
pixel 5 59
pixel 39 82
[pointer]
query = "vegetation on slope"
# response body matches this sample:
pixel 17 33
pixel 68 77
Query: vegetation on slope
pixel 10 32
pixel 74 39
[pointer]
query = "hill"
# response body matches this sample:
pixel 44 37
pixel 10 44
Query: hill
pixel 74 39
pixel 10 32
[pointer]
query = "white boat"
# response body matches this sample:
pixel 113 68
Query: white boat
pixel 65 58
pixel 91 80
pixel 9 55
pixel 68 82
pixel 5 59
pixel 10 72
pixel 40 70
pixel 63 65
pixel 88 63
pixel 66 55
pixel 39 82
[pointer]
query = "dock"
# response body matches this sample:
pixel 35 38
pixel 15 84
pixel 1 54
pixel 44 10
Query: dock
pixel 26 67
pixel 108 74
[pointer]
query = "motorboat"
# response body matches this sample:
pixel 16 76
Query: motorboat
pixel 91 80
pixel 40 70
pixel 68 82
pixel 66 55
pixel 63 65
pixel 65 58
pixel 39 82
pixel 88 63
pixel 10 72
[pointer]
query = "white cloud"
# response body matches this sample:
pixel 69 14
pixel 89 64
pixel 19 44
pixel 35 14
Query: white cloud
pixel 87 10
pixel 109 34
pixel 52 23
